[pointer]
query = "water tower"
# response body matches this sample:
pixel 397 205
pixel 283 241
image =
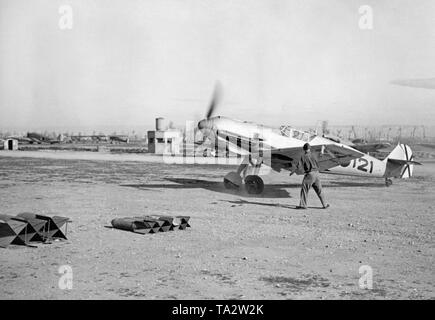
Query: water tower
pixel 160 124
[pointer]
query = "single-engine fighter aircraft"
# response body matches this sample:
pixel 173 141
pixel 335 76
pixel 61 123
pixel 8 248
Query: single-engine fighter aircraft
pixel 33 137
pixel 280 149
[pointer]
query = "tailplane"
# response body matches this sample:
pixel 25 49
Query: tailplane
pixel 400 162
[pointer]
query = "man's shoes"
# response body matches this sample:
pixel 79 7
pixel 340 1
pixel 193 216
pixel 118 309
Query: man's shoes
pixel 326 206
pixel 300 207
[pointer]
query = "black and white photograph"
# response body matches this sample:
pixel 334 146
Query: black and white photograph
pixel 202 150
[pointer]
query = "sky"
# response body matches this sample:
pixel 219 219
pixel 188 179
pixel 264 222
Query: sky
pixel 124 63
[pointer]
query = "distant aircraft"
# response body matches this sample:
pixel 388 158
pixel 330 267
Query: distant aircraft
pixel 427 83
pixel 356 143
pixel 33 137
pixel 118 138
pixel 40 138
pixel 100 137
pixel 95 137
pixel 20 139
pixel 280 149
pixel 361 144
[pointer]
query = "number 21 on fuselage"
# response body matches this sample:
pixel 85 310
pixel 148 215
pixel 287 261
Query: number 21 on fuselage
pixel 364 166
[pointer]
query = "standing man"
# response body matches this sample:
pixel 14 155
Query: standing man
pixel 309 165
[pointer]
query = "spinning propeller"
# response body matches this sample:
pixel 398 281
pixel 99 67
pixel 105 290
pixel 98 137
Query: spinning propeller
pixel 215 100
pixel 206 125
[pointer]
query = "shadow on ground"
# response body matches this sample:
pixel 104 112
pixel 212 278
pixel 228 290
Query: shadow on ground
pixel 286 206
pixel 345 184
pixel 270 190
pixel 290 286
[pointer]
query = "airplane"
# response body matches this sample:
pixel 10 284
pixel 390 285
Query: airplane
pixel 359 144
pixel 426 83
pixel 95 137
pixel 280 149
pixel 40 138
pixel 33 137
pixel 119 138
pixel 398 164
pixel 100 137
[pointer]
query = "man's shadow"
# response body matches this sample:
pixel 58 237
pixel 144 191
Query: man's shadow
pixel 241 202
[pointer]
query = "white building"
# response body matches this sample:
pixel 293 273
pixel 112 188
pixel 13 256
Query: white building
pixel 163 140
pixel 10 144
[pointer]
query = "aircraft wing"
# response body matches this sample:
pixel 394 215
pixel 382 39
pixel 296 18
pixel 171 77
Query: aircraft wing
pixel 328 156
pixel 371 147
pixel 335 155
pixel 20 139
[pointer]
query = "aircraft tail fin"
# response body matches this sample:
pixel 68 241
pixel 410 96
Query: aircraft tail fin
pixel 400 162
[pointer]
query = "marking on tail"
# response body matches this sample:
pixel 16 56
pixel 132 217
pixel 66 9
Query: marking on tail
pixel 407 166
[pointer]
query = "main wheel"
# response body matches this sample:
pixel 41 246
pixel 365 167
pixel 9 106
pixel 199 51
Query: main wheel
pixel 388 182
pixel 254 184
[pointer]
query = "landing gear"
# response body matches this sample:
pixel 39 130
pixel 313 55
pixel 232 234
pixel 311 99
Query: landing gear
pixel 254 184
pixel 232 180
pixel 229 185
pixel 388 182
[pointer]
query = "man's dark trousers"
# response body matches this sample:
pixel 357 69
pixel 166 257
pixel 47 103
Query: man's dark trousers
pixel 311 179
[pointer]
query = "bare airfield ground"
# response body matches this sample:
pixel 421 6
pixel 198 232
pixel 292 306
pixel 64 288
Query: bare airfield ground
pixel 239 246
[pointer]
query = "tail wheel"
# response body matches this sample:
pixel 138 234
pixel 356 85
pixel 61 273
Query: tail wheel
pixel 388 182
pixel 254 184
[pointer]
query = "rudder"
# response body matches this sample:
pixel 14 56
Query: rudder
pixel 400 162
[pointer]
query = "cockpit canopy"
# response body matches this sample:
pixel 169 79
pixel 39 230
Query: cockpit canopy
pixel 290 132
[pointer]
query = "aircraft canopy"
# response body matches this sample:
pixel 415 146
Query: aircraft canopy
pixel 288 131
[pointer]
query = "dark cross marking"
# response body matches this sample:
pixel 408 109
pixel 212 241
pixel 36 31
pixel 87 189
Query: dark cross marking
pixel 407 159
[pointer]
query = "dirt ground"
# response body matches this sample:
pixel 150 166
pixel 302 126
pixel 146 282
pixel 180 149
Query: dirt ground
pixel 239 246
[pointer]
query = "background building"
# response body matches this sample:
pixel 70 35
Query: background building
pixel 10 144
pixel 164 140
